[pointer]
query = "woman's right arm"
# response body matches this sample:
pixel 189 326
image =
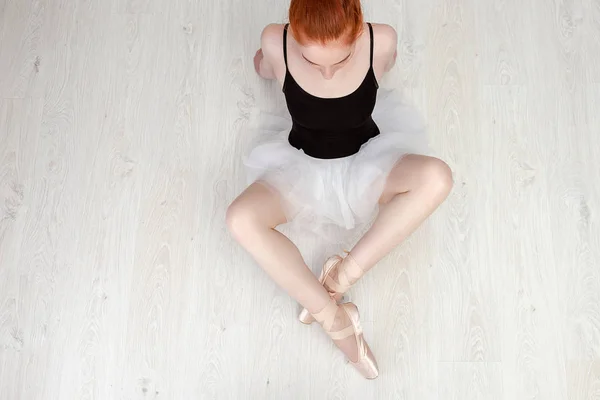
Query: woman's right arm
pixel 262 67
pixel 269 57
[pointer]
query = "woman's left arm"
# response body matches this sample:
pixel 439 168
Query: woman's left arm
pixel 390 49
pixel 386 42
pixel 392 61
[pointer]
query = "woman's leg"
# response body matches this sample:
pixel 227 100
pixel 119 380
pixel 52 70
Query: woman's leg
pixel 416 186
pixel 252 219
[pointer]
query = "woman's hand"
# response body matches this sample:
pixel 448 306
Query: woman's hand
pixel 257 59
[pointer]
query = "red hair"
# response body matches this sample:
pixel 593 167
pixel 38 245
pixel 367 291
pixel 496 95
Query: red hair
pixel 322 21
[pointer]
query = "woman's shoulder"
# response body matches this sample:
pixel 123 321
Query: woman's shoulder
pixel 271 38
pixel 385 39
pixel 271 43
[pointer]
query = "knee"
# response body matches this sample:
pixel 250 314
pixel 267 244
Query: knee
pixel 438 177
pixel 241 219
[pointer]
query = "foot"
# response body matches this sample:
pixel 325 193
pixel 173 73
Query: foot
pixel 341 322
pixel 347 345
pixel 337 276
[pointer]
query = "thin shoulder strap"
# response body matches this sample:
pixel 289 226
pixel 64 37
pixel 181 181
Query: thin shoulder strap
pixel 285 30
pixel 371 33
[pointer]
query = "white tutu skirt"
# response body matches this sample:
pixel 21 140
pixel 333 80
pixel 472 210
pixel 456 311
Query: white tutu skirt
pixel 328 197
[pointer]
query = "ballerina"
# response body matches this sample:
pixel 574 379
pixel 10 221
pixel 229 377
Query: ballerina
pixel 346 150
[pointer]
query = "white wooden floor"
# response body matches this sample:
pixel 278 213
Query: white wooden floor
pixel 122 126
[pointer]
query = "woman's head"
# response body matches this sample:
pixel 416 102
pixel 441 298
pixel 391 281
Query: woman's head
pixel 324 21
pixel 327 30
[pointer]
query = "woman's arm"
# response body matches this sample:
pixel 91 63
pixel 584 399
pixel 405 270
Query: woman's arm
pixel 271 46
pixel 385 53
pixel 390 47
pixel 392 61
pixel 262 67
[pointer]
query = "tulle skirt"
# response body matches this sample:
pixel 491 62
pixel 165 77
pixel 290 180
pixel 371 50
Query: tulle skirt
pixel 328 197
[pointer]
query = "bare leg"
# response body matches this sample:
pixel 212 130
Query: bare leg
pixel 251 218
pixel 414 189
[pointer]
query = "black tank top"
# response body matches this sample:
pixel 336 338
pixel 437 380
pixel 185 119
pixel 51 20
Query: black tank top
pixel 331 127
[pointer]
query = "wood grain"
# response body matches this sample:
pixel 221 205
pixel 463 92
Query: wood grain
pixel 584 380
pixel 122 127
pixel 474 380
pixel 22 48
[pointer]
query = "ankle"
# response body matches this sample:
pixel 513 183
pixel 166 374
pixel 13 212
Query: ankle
pixel 345 275
pixel 326 316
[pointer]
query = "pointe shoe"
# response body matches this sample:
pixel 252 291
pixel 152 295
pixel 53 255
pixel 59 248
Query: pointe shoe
pixel 346 278
pixel 365 361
